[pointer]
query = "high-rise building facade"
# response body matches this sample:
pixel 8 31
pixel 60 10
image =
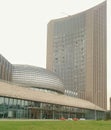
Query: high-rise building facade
pixel 76 51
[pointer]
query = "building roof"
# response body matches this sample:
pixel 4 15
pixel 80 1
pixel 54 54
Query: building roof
pixel 32 76
pixel 14 91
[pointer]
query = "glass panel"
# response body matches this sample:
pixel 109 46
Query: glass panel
pixel 1 100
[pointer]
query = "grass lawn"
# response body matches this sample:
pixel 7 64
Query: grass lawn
pixel 55 125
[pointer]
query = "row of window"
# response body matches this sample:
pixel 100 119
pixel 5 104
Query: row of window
pixel 19 108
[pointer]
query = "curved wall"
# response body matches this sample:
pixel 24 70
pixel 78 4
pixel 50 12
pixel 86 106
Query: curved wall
pixel 77 53
pixel 5 69
pixel 31 76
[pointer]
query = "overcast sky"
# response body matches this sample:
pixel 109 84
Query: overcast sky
pixel 23 28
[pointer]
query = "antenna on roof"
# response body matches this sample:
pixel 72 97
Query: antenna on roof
pixel 65 13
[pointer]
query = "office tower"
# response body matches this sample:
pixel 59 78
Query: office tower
pixel 76 52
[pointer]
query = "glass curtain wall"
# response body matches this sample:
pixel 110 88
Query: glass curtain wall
pixel 24 109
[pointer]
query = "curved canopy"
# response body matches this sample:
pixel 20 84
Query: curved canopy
pixel 11 90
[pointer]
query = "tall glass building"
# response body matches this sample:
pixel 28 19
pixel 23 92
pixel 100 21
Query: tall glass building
pixel 76 51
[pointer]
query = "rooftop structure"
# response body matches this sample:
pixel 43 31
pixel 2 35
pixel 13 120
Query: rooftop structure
pixel 36 77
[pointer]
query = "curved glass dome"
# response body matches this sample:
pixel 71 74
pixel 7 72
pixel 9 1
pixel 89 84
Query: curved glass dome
pixel 36 77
